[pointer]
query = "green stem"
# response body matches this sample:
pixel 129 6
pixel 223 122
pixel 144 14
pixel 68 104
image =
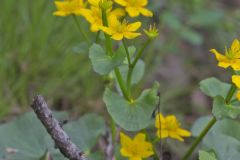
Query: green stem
pixel 109 51
pixel 209 125
pixel 80 29
pixel 230 94
pixel 199 139
pixel 127 52
pixel 107 37
pixel 139 54
pixel 97 37
pixel 131 67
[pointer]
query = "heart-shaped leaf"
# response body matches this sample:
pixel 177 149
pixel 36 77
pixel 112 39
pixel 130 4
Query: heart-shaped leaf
pixel 102 63
pixel 221 109
pixel 132 116
pixel 214 87
pixel 203 155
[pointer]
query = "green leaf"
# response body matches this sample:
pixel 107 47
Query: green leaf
pixel 214 87
pixel 222 110
pixel 223 137
pixel 85 131
pixel 27 136
pixel 203 155
pixel 132 116
pixel 199 125
pixel 137 73
pixel 225 147
pixel 102 63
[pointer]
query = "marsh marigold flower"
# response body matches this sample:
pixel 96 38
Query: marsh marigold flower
pixel 94 16
pixel 135 7
pixel 231 57
pixel 118 30
pixel 68 7
pixel 170 127
pixel 136 148
pixel 236 81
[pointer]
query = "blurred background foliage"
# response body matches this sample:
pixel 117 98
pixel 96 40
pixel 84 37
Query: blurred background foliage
pixel 44 54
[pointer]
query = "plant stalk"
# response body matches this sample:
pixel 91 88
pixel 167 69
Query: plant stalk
pixel 80 29
pixel 209 125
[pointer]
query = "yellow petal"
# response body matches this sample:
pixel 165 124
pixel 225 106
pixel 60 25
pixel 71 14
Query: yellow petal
pixel 236 80
pixel 160 118
pixel 164 133
pixel 238 95
pixel 125 152
pixel 236 65
pixel 118 12
pixel 223 61
pixel 146 12
pixel 183 132
pixel 131 35
pixel 107 30
pixel 140 137
pixel 135 158
pixel 121 2
pixel 94 2
pixel 117 36
pixel 132 11
pixel 134 26
pixel 60 13
pixel 142 2
pixel 125 140
pixel 175 136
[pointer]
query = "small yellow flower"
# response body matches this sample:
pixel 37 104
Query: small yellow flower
pixel 135 7
pixel 152 32
pixel 68 7
pixel 170 127
pixel 137 148
pixel 231 57
pixel 118 30
pixel 94 16
pixel 236 81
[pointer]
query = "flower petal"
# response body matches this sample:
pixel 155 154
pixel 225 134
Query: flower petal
pixel 121 2
pixel 183 132
pixel 223 61
pixel 238 95
pixel 132 11
pixel 134 26
pixel 140 137
pixel 131 35
pixel 117 36
pixel 236 80
pixel 145 12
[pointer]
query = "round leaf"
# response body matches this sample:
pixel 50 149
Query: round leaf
pixel 131 116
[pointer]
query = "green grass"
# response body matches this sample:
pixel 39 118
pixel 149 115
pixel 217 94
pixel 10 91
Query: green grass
pixel 36 57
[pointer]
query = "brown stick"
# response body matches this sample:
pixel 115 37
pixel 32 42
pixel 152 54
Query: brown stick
pixel 53 127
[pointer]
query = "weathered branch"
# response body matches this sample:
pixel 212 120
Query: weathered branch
pixel 53 127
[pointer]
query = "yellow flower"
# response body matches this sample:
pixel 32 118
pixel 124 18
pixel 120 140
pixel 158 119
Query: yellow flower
pixel 137 148
pixel 152 32
pixel 94 16
pixel 170 127
pixel 236 81
pixel 135 7
pixel 118 30
pixel 68 7
pixel 231 57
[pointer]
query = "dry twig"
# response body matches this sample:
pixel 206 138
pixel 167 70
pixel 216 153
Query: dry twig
pixel 53 127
